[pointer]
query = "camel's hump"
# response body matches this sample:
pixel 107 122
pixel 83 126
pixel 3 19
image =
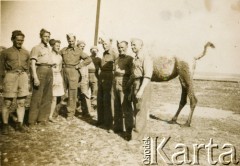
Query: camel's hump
pixel 163 68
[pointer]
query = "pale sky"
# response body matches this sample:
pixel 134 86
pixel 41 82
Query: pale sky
pixel 167 27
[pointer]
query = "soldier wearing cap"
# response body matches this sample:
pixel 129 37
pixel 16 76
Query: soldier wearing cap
pixel 104 103
pixel 123 112
pixel 41 67
pixel 14 65
pixel 93 71
pixel 141 75
pixel 83 90
pixel 72 56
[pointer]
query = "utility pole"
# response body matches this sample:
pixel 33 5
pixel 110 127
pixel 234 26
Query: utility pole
pixel 97 22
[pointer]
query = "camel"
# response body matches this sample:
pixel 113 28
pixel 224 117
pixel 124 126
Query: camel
pixel 167 68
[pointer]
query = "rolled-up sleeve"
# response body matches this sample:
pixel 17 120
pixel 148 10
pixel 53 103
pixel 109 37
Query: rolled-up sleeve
pixel 34 54
pixel 147 67
pixel 86 60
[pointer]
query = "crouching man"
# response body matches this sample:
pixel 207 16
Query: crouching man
pixel 14 65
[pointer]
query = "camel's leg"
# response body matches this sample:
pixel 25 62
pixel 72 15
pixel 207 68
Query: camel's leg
pixel 186 76
pixel 192 97
pixel 193 103
pixel 182 103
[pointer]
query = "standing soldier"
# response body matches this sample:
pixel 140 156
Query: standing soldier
pixel 123 112
pixel 104 103
pixel 71 60
pixel 93 71
pixel 14 65
pixel 41 65
pixel 83 93
pixel 142 73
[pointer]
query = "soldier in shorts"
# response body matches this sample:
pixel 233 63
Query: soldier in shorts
pixel 14 65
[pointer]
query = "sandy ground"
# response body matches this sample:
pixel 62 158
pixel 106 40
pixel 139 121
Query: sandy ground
pixel 79 142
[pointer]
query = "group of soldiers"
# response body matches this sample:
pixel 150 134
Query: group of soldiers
pixel 117 82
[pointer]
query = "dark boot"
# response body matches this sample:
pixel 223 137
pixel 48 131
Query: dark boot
pixel 128 135
pixel 20 128
pixel 5 129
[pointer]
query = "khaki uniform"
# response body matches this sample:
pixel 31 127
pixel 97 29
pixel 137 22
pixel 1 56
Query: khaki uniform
pixel 14 65
pixel 71 59
pixel 142 68
pixel 84 95
pixel 40 105
pixel 93 70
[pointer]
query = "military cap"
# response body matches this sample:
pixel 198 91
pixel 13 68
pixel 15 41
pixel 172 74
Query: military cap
pixel 17 33
pixel 70 35
pixel 94 47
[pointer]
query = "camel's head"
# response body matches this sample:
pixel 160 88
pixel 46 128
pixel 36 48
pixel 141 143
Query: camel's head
pixel 210 44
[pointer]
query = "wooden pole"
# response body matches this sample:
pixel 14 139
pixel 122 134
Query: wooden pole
pixel 97 22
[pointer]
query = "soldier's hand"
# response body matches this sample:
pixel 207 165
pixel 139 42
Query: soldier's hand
pixel 78 67
pixel 36 82
pixel 139 95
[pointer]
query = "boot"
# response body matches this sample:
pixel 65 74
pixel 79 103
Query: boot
pixel 5 129
pixel 20 128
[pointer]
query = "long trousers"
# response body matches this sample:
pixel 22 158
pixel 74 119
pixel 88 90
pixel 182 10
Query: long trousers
pixel 141 110
pixel 41 96
pixel 71 78
pixel 104 102
pixel 123 112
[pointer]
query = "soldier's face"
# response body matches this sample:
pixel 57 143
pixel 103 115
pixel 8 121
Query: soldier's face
pixel 71 42
pixel 136 46
pixel 56 47
pixel 106 46
pixel 45 38
pixel 122 48
pixel 81 46
pixel 18 41
pixel 94 51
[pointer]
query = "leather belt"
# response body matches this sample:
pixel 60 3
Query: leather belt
pixel 121 75
pixel 70 66
pixel 92 70
pixel 45 65
pixel 16 71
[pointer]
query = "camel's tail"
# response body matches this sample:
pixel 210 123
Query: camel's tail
pixel 208 44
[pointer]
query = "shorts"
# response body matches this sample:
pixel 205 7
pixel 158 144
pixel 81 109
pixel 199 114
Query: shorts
pixel 15 85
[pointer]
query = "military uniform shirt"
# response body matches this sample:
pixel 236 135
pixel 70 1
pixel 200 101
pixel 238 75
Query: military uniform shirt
pixel 72 56
pixel 42 54
pixel 142 66
pixel 14 59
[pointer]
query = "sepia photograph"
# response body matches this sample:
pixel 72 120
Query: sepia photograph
pixel 119 82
